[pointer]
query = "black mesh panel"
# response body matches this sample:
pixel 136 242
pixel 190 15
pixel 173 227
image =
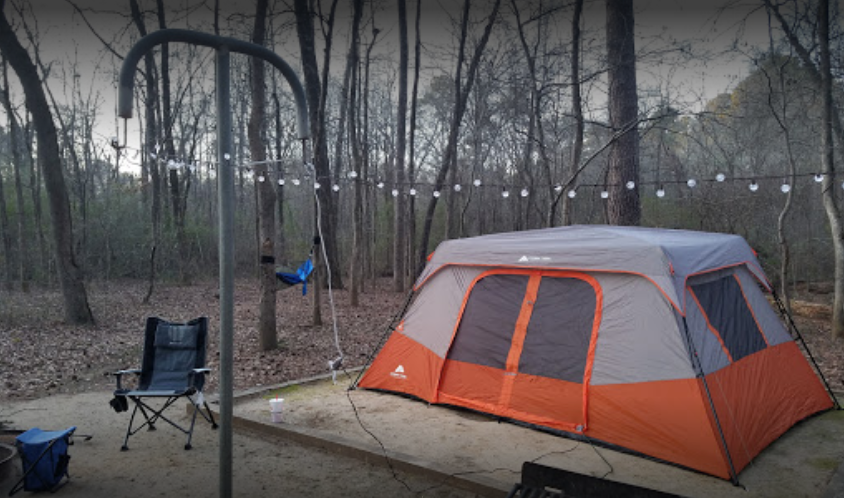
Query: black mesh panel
pixel 489 320
pixel 728 313
pixel 557 340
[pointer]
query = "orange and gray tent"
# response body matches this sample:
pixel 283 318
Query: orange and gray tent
pixel 659 342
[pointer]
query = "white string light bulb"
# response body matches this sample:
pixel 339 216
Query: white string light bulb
pixel 296 182
pixel 380 185
pixel 572 194
pixel 281 182
pixel 753 186
pixel 413 191
pixel 335 187
pixel 631 185
pixel 505 194
pixel 558 188
pixel 819 178
pixel 436 194
pixel 395 192
pixel 785 188
pixel 525 192
pixel 458 188
pixel 477 182
pixel 317 186
pixel 605 194
pixel 660 192
pixel 353 174
pixel 720 177
pixel 261 178
pixel 692 183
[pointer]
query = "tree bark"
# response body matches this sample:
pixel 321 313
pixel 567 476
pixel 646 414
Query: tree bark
pixel 411 170
pixel 352 63
pixel 150 153
pixel 400 206
pixel 267 333
pixel 623 206
pixel 828 165
pixel 25 264
pixel 576 106
pixel 71 278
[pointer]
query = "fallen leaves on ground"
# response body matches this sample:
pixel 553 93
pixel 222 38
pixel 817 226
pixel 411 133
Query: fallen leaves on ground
pixel 42 355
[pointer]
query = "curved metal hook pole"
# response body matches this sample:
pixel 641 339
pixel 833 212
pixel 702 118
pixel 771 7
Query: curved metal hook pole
pixel 150 41
pixel 225 188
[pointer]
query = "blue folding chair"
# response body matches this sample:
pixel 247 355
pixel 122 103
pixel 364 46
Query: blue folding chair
pixel 173 367
pixel 44 458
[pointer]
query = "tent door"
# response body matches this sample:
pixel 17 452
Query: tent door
pixel 523 346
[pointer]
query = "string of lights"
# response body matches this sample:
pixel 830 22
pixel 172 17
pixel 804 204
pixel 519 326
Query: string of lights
pixel 253 170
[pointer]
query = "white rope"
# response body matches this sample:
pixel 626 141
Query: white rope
pixel 335 364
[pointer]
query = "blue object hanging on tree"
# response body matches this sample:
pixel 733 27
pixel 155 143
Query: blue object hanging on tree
pixel 299 277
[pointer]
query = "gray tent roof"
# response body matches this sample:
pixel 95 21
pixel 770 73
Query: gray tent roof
pixel 666 257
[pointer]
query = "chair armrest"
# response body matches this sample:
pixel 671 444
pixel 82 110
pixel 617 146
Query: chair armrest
pixel 131 371
pixel 118 375
pixel 195 373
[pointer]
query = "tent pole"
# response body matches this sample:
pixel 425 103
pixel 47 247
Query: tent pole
pixel 391 327
pixel 699 368
pixel 793 326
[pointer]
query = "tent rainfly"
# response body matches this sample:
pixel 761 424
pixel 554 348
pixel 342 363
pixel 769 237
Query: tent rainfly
pixel 660 342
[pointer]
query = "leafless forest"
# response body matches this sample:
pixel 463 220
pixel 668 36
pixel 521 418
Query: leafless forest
pixel 428 121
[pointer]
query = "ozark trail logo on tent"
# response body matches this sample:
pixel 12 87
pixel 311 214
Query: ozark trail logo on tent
pixel 533 259
pixel 399 373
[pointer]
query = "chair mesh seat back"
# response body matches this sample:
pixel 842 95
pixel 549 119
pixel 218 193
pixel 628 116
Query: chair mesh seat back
pixel 171 351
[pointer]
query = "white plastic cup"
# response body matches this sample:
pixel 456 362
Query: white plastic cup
pixel 275 409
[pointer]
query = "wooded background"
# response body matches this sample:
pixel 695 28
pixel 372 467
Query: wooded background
pixel 429 121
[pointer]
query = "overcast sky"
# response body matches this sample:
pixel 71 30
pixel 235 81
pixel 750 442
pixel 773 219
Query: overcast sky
pixel 702 26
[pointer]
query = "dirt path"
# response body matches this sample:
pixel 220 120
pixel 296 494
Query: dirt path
pixel 157 464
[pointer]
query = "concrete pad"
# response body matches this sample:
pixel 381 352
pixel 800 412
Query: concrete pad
pixel 480 454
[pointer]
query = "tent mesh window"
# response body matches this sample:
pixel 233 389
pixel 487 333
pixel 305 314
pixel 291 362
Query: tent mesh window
pixel 729 315
pixel 556 343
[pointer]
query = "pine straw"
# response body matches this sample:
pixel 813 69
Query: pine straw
pixel 41 355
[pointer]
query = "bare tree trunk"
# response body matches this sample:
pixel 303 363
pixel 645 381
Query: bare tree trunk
pixel 267 333
pixel 400 206
pixel 25 263
pixel 150 152
pixel 370 200
pixel 77 310
pixel 8 275
pixel 828 165
pixel 461 96
pixel 316 109
pixel 830 119
pixel 352 63
pixel 623 205
pixel 411 172
pixel 576 106
pixel 177 202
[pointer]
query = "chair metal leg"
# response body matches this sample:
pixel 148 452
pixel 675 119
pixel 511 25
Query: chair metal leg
pixel 125 446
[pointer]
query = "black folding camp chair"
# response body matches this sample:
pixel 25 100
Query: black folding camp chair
pixel 44 458
pixel 173 367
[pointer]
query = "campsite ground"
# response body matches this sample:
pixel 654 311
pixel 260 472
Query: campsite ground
pixel 52 374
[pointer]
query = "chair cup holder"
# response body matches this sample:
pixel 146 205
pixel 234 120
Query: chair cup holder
pixel 119 404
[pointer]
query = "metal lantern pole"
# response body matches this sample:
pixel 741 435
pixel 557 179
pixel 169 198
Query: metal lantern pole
pixel 225 189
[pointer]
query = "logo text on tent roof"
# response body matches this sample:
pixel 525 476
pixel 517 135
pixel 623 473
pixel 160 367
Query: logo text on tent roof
pixel 398 373
pixel 533 259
